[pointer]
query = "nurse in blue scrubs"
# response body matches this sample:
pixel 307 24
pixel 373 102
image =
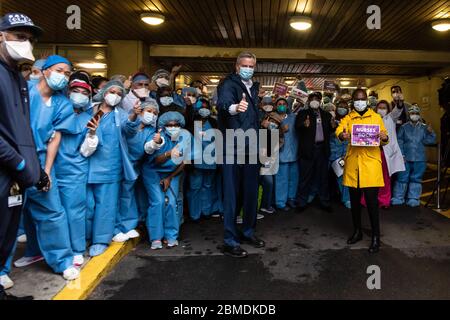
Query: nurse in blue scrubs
pixel 106 148
pixel 72 169
pixel 46 224
pixel 137 129
pixel 161 174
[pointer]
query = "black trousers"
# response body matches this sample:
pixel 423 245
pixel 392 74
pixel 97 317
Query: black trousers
pixel 314 171
pixel 9 225
pixel 371 196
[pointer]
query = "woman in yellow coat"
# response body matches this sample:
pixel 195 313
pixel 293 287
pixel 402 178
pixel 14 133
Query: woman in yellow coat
pixel 363 172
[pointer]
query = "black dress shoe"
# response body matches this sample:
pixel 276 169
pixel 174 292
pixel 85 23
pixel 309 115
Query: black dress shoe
pixel 254 242
pixel 235 252
pixel 356 237
pixel 10 297
pixel 375 245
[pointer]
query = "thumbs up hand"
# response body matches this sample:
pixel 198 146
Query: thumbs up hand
pixel 307 122
pixel 243 105
pixel 157 137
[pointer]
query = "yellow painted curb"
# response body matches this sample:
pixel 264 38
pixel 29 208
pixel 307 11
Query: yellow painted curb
pixel 95 270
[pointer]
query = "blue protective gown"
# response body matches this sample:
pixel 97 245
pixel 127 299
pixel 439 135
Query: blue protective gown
pixel 71 170
pixel 163 221
pixel 412 139
pixel 130 194
pixel 202 193
pixel 338 150
pixel 108 166
pixel 45 219
pixel 286 179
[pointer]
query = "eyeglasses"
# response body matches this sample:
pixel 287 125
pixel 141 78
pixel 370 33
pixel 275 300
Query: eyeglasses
pixel 20 36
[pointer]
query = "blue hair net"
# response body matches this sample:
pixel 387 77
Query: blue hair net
pixel 171 116
pixel 100 96
pixel 55 59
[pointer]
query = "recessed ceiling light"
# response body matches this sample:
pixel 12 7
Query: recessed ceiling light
pixel 441 25
pixel 152 19
pixel 289 82
pixel 92 65
pixel 345 83
pixel 301 23
pixel 214 80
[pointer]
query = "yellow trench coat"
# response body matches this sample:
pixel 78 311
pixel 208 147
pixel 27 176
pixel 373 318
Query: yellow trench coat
pixel 362 164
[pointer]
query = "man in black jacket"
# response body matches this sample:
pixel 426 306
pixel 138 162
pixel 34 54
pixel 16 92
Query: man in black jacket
pixel 19 165
pixel 314 127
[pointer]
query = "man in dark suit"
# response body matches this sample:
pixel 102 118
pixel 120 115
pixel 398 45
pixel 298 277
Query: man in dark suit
pixel 238 109
pixel 314 127
pixel 19 165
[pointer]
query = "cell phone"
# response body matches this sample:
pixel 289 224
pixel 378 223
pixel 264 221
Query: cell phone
pixel 97 116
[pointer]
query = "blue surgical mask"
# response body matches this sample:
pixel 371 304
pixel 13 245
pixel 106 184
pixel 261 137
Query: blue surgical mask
pixel 246 73
pixel 173 132
pixel 166 101
pixel 79 100
pixel 57 81
pixel 149 119
pixel 34 77
pixel 204 113
pixel 342 111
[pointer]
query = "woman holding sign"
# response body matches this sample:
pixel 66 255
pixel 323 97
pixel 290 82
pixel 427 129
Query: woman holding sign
pixel 363 172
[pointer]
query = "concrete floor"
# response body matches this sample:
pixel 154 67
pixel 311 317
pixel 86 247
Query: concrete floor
pixel 306 257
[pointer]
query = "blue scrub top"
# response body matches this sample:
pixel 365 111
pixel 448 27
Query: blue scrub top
pixel 412 139
pixel 70 165
pixel 46 120
pixel 198 154
pixel 289 151
pixel 136 138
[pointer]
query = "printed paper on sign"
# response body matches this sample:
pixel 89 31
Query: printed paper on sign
pixel 280 89
pixel 365 135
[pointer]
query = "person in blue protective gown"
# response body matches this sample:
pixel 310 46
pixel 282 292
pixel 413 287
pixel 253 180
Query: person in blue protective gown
pixel 202 186
pixel 168 151
pixel 106 148
pixel 36 71
pixel 137 129
pixel 45 220
pixel 286 179
pixel 72 169
pixel 412 138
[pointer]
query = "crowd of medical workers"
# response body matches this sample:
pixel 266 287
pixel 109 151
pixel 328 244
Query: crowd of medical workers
pixel 116 152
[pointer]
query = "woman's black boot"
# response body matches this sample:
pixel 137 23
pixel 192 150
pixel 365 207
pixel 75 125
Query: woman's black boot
pixel 356 237
pixel 375 245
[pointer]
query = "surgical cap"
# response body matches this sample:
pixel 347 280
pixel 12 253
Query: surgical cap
pixel 140 77
pixel 100 96
pixel 55 59
pixel 38 64
pixel 171 116
pixel 189 90
pixel 414 108
pixel 267 100
pixel 160 72
pixel 150 103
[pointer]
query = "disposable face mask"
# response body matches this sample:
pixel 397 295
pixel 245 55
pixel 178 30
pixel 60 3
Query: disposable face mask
pixel 162 82
pixel 415 117
pixel 342 111
pixel 19 50
pixel 360 105
pixel 149 119
pixel 281 109
pixel 267 108
pixel 373 101
pixel 173 132
pixel 79 100
pixel 142 92
pixel 57 81
pixel 34 77
pixel 382 112
pixel 314 104
pixel 204 113
pixel 112 99
pixel 166 101
pixel 246 73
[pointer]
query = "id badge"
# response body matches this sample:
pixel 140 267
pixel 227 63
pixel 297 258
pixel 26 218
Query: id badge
pixel 319 120
pixel 15 201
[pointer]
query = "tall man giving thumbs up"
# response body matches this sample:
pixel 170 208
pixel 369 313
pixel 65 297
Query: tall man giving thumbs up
pixel 238 109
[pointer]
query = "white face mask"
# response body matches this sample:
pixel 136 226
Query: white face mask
pixel 415 117
pixel 19 50
pixel 142 92
pixel 360 105
pixel 268 108
pixel 112 99
pixel 314 104
pixel 148 119
pixel 162 82
pixel 382 112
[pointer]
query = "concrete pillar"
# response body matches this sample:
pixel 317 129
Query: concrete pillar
pixel 127 57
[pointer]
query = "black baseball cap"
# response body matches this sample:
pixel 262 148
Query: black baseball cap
pixel 19 20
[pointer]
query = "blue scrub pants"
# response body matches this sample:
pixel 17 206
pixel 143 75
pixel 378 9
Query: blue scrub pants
pixel 286 183
pixel 201 190
pixel 409 184
pixel 344 191
pixel 180 198
pixel 141 199
pixel 128 217
pixel 268 183
pixel 103 205
pixel 6 270
pixel 163 221
pixel 47 227
pixel 217 197
pixel 73 199
pixel 240 185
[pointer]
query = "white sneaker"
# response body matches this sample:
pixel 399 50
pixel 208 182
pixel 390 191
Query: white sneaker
pixel 78 260
pixel 71 273
pixel 6 282
pixel 133 234
pixel 120 237
pixel 239 220
pixel 22 238
pixel 172 243
pixel 259 216
pixel 156 245
pixel 26 261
